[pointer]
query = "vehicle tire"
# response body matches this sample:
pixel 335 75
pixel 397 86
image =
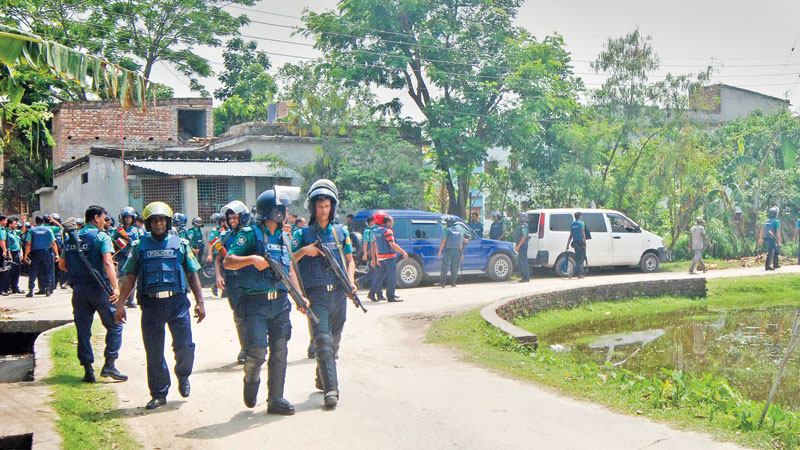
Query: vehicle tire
pixel 570 265
pixel 500 267
pixel 409 273
pixel 649 263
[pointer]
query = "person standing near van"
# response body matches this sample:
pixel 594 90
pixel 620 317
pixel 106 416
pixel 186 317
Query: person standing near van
pixel 453 246
pixel 521 238
pixel 475 224
pixel 698 241
pixel 385 254
pixel 497 230
pixel 577 237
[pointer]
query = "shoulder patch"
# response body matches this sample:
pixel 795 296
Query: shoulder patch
pixel 241 240
pixel 295 242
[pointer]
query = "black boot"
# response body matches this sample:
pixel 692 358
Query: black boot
pixel 88 373
pixel 109 370
pixel 276 377
pixel 29 294
pixel 326 368
pixel 252 375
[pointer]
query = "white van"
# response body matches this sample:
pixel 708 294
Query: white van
pixel 615 240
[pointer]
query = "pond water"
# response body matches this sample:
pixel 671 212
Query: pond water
pixel 743 346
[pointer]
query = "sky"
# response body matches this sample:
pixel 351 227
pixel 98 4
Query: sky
pixel 753 45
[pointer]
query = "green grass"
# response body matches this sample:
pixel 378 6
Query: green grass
pixel 696 402
pixel 87 415
pixel 683 266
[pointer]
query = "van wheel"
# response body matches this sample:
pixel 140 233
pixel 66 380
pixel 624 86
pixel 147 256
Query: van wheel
pixel 649 263
pixel 409 273
pixel 500 267
pixel 570 265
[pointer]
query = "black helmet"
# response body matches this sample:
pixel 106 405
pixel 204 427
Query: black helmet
pixel 56 217
pixel 179 220
pixel 449 220
pixel 773 212
pixel 197 222
pixel 322 188
pixel 236 207
pixel 272 206
pixel 216 218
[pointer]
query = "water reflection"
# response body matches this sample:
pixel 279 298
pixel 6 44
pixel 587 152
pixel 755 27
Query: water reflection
pixel 743 346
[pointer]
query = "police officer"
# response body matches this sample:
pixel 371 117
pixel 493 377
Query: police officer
pixel 195 236
pixel 497 230
pixel 521 238
pixel 263 303
pixel 236 217
pixel 325 292
pixel 453 246
pixel 216 232
pixel 125 236
pixel 475 224
pixel 14 250
pixel 4 254
pixel 163 264
pixel 577 237
pixel 39 251
pixel 53 221
pixel 771 233
pixel 88 296
pixel 179 223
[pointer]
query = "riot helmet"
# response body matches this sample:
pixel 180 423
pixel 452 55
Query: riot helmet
pixel 271 205
pixel 157 209
pixel 236 207
pixel 179 220
pixel 320 189
pixel 379 216
pixel 56 217
pixel 773 212
pixel 450 220
pixel 496 214
pixel 127 211
pixel 522 217
pixel 198 222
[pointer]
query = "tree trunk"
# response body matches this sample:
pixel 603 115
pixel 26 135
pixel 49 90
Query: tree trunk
pixel 463 195
pixel 452 201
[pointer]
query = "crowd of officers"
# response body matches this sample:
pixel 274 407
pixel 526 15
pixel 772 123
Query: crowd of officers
pixel 155 259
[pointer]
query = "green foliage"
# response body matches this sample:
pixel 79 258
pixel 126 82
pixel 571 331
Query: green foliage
pixel 245 75
pixel 236 110
pixel 24 172
pixel 87 413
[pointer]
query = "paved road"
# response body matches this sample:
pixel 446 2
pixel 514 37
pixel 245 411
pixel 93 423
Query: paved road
pixel 396 390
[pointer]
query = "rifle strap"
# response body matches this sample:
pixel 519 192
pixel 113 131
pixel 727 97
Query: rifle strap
pixel 294 262
pixel 339 247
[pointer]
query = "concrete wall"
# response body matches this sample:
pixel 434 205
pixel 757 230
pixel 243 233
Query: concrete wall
pixel 71 197
pixel 78 126
pixel 726 103
pixel 502 314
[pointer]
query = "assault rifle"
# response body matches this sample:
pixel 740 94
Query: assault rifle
pixel 340 275
pixel 277 270
pixel 73 234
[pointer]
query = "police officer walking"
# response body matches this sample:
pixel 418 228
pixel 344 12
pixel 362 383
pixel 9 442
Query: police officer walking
pixel 162 264
pixel 263 301
pixel 195 236
pixel 325 292
pixel 453 247
pixel 237 217
pixel 39 251
pixel 521 238
pixel 497 230
pixel 771 233
pixel 577 237
pixel 88 296
pixel 214 233
pixel 125 236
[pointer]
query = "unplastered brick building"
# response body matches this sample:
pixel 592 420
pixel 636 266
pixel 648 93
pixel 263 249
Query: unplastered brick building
pixel 79 126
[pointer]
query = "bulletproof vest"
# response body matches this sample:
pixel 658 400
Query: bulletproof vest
pixel 453 238
pixel 769 225
pixel 315 271
pixel 522 230
pixel 252 278
pixel 380 241
pixel 57 234
pixel 160 267
pixel 227 241
pixel 40 238
pixel 133 236
pixel 496 230
pixel 575 230
pixel 76 269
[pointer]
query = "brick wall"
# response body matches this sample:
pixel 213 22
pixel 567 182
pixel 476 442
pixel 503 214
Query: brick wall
pixel 79 126
pixel 501 314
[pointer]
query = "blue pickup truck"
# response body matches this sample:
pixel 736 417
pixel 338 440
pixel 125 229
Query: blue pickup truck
pixel 420 233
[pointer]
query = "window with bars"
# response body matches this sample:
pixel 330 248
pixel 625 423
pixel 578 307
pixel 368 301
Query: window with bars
pixel 167 190
pixel 214 193
pixel 262 184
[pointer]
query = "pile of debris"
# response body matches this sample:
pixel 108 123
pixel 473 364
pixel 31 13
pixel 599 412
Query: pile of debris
pixel 757 260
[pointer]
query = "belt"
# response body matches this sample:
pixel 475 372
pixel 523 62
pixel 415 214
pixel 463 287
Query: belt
pixel 327 287
pixel 162 294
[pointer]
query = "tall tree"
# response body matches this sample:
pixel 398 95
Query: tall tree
pixel 477 80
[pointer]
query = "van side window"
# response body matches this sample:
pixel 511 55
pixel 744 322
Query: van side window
pixel 533 223
pixel 595 222
pixel 425 230
pixel 560 222
pixel 620 223
pixel 467 233
pixel 400 228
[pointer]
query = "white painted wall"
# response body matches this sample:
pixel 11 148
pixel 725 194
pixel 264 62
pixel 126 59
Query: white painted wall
pixel 106 187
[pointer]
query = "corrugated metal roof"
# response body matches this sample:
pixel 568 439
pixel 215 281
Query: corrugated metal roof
pixel 254 169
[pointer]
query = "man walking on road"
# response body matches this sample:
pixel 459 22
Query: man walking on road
pixel 521 238
pixel 88 296
pixel 697 242
pixel 577 237
pixel 163 263
pixel 385 258
pixel 39 253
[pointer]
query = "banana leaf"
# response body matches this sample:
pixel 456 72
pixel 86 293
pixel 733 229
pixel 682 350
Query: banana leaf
pixel 789 150
pixel 10 50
